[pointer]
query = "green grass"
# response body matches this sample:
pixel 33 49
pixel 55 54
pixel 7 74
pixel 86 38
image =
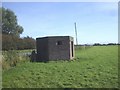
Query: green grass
pixel 95 67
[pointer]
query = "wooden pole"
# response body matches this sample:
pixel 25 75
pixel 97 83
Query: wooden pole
pixel 76 34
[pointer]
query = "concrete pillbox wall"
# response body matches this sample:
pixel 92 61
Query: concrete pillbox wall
pixel 55 48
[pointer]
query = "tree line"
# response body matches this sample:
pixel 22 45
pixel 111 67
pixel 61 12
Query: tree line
pixel 98 44
pixel 11 31
pixel 10 42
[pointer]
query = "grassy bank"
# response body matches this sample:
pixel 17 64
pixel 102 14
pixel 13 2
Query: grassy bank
pixel 95 67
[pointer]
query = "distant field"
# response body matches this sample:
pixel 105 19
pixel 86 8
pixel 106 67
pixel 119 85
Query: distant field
pixel 94 67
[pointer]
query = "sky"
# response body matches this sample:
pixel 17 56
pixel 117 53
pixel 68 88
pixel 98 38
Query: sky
pixel 97 22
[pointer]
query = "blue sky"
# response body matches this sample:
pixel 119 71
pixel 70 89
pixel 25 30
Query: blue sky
pixel 97 22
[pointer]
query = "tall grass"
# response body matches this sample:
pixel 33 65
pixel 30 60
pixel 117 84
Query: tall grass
pixel 11 58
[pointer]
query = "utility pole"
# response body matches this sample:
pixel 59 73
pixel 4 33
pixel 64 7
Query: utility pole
pixel 76 34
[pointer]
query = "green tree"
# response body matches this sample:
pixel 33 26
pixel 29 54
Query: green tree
pixel 9 23
pixel 11 33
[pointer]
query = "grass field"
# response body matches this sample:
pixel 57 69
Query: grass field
pixel 94 67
